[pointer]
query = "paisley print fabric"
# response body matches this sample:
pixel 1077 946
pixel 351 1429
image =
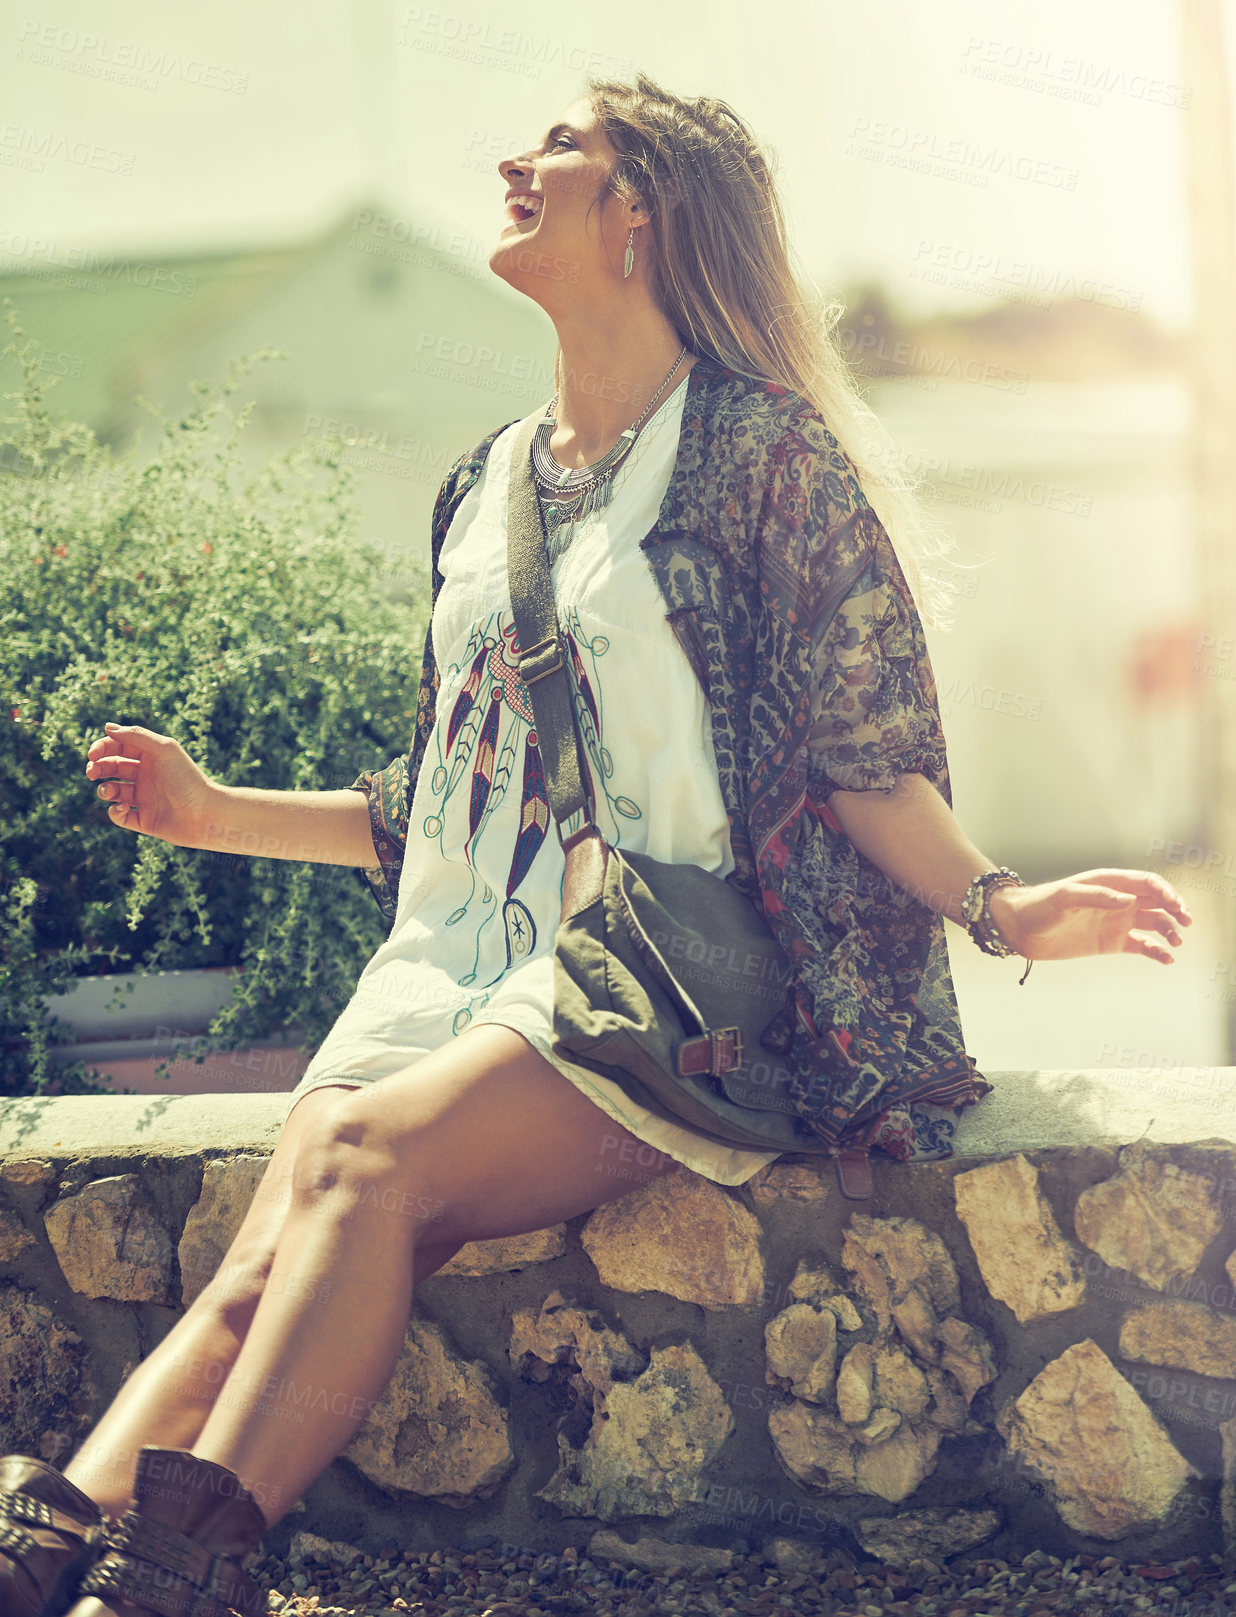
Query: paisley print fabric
pixel 784 591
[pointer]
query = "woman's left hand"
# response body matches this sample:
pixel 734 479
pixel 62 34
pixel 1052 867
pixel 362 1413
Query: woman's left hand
pixel 1094 912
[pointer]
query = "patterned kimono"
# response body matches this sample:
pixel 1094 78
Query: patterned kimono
pixel 784 591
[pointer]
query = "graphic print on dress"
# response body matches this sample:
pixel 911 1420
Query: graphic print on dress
pixel 475 734
pixel 588 716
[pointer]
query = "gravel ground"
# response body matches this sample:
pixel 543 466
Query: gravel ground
pixel 488 1583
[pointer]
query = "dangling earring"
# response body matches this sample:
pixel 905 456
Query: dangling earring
pixel 630 258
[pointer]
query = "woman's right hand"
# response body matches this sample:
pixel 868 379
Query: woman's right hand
pixel 151 785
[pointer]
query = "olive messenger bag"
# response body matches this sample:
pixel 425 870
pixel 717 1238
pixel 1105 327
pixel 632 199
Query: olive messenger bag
pixel 665 975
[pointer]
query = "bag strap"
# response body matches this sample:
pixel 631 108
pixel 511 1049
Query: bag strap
pixel 543 651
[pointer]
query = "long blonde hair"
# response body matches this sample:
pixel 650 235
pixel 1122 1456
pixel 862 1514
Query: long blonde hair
pixel 721 272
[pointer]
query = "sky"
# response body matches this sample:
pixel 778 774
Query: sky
pixel 953 151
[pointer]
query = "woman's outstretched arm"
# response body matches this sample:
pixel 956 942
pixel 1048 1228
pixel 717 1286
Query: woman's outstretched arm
pixel 152 786
pixel 912 835
pixel 326 828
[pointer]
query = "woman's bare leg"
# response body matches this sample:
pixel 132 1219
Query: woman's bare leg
pixel 479 1139
pixel 166 1400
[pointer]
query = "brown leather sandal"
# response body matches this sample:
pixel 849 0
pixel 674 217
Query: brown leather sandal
pixel 177 1550
pixel 50 1532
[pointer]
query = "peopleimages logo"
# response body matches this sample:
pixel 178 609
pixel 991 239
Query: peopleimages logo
pixel 722 960
pixel 98 56
pixel 175 1473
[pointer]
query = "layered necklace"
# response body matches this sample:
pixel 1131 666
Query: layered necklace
pixel 569 494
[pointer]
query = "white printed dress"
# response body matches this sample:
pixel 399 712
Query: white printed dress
pixel 480 889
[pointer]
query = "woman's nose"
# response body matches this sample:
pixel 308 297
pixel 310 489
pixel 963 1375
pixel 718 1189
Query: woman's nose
pixel 515 166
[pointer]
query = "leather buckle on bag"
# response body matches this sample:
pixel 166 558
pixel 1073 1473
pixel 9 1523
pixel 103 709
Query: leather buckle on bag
pixel 715 1052
pixel 538 654
pixel 719 1062
pixel 854 1172
pixel 588 828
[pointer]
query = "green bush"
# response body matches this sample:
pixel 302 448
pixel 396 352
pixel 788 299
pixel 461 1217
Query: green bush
pixel 236 612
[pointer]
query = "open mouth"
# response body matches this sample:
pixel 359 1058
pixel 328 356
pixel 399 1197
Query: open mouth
pixel 518 209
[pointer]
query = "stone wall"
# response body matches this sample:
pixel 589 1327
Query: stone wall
pixel 1029 1344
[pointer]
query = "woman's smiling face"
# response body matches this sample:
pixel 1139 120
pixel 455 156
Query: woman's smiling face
pixel 557 182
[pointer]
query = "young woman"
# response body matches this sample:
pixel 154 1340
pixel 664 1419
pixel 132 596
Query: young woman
pixel 748 666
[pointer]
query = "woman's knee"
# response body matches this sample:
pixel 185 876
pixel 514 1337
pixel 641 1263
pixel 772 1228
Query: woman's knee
pixel 229 1294
pixel 226 1303
pixel 404 1159
pixel 351 1150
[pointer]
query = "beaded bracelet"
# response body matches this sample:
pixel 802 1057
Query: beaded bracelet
pixel 982 928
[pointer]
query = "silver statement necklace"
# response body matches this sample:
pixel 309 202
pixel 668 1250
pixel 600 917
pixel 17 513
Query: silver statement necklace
pixel 569 494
